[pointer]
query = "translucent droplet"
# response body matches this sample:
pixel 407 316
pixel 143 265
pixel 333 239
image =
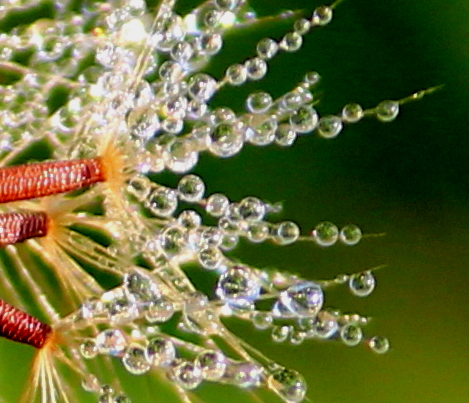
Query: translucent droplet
pixel 352 113
pixel 325 233
pixel 267 48
pixel 285 136
pixel 210 258
pixel 159 311
pixel 172 241
pixel 141 287
pixel 288 384
pixel 189 219
pixel 90 383
pixel 238 285
pixel 236 74
pixel 191 188
pixel 256 68
pixel 213 364
pixel 111 342
pixel 160 351
pixel 179 156
pixel 162 202
pixel 188 375
pixel 217 204
pixel 325 325
pixel 362 284
pixel 387 111
pixel 286 232
pixel 227 139
pixel 350 234
pixel 379 344
pixel 258 102
pixel 291 42
pixel 329 126
pixel 281 333
pixel 262 320
pixel 351 335
pixel 304 119
pixel 88 349
pixel 243 374
pixel 135 360
pixel 258 232
pixel 322 15
pixel 202 87
pixel 252 209
pixel 303 299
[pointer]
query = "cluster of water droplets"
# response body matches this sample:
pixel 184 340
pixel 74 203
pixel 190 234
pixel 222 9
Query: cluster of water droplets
pixel 139 81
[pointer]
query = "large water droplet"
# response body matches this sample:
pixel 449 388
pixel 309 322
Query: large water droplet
pixel 362 284
pixel 302 299
pixel 238 285
pixel 288 384
pixel 135 360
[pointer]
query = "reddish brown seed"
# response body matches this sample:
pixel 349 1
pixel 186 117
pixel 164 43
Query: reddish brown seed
pixel 19 226
pixel 29 181
pixel 18 326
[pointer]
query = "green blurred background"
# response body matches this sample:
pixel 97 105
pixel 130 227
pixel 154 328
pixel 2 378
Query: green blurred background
pixel 408 179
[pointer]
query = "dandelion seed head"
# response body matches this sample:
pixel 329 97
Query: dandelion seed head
pixel 139 99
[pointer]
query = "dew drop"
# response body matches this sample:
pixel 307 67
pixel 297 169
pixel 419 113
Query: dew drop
pixel 362 284
pixel 135 360
pixel 325 233
pixel 160 351
pixel 387 111
pixel 379 344
pixel 212 364
pixel 351 335
pixel 238 285
pixel 350 234
pixel 288 384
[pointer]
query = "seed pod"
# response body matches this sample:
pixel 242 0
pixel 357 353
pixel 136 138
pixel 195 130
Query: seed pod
pixel 30 181
pixel 18 326
pixel 20 226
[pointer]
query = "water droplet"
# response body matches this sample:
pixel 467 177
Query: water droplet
pixel 325 233
pixel 329 126
pixel 322 15
pixel 350 234
pixel 159 311
pixel 251 209
pixel 288 384
pixel 267 48
pixel 352 113
pixel 362 284
pixel 325 325
pixel 135 360
pixel 351 335
pixel 387 111
pixel 238 285
pixel 191 188
pixel 88 349
pixel 217 204
pixel 188 375
pixel 280 333
pixel 304 119
pixel 262 320
pixel 243 374
pixel 111 342
pixel 258 102
pixel 379 344
pixel 212 364
pixel 303 299
pixel 160 351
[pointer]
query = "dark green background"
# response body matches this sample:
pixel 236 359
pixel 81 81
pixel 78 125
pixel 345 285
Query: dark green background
pixel 408 179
